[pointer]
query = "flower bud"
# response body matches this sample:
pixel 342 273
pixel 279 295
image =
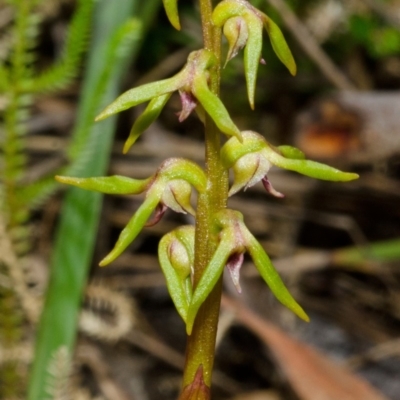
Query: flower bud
pixel 176 255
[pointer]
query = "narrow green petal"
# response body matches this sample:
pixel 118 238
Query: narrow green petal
pixel 309 168
pixel 108 184
pixel 171 8
pixel 271 277
pixel 143 93
pixel 208 280
pixel 150 114
pixel 214 107
pixel 176 287
pixel 279 45
pixel 132 229
pixel 252 55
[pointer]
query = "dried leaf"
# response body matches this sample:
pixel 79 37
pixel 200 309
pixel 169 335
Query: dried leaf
pixel 312 375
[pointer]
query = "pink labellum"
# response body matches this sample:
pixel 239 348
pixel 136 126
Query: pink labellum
pixel 189 103
pixel 270 189
pixel 263 62
pixel 235 262
pixel 158 214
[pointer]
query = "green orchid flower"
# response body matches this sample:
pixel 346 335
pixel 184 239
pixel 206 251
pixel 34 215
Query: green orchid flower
pixel 234 240
pixel 252 158
pixel 242 26
pixel 191 83
pixel 176 256
pixel 170 187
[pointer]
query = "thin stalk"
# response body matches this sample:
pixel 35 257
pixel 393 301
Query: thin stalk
pixel 201 343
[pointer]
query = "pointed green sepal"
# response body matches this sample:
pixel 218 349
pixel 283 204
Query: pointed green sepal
pixel 214 107
pixel 225 13
pixel 252 55
pixel 309 168
pixel 270 276
pixel 171 8
pixel 149 115
pixel 132 229
pixel 175 253
pixel 279 44
pixel 108 184
pixel 141 94
pixel 209 278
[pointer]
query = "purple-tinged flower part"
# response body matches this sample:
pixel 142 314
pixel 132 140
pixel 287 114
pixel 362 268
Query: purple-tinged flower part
pixel 158 214
pixel 234 264
pixel 234 240
pixel 189 103
pixel 251 159
pixel 193 84
pixel 176 196
pixel 270 189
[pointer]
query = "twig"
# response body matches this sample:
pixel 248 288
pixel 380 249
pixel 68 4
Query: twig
pixel 311 47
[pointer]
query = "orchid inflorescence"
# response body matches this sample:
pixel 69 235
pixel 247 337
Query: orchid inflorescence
pixel 247 153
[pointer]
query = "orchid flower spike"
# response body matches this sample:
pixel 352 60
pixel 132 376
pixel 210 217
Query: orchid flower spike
pixel 242 26
pixel 176 256
pixel 234 240
pixel 169 187
pixel 252 158
pixel 191 83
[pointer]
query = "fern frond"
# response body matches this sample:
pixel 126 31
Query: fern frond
pixel 66 69
pixel 79 151
pixel 100 298
pixel 59 373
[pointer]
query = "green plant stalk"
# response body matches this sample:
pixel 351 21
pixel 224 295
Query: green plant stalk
pixel 201 343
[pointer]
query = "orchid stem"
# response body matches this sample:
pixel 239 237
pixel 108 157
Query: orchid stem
pixel 201 342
